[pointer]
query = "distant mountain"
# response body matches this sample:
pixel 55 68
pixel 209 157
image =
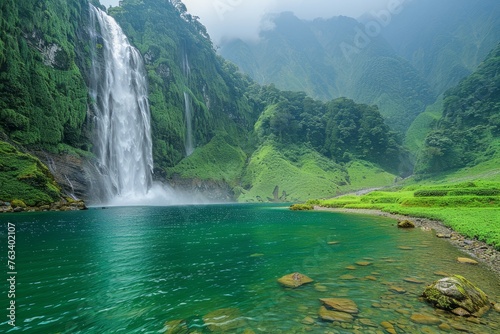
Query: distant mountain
pixel 444 40
pixel 468 132
pixel 334 58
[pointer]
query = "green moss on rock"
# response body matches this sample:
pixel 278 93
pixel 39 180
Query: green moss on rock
pixel 24 179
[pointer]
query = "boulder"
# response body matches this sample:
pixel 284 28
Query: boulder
pixel 456 292
pixel 406 224
pixel 294 280
pixel 340 304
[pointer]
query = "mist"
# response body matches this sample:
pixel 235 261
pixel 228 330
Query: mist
pixel 227 19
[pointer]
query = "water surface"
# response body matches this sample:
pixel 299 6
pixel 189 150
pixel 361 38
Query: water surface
pixel 130 270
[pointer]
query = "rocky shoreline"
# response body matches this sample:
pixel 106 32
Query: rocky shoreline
pixel 62 205
pixel 477 249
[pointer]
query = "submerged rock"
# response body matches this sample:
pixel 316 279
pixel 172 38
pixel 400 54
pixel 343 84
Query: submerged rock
pixel 425 319
pixel 456 292
pixel 176 327
pixel 340 304
pixel 294 280
pixel 466 260
pixel 329 315
pixel 223 320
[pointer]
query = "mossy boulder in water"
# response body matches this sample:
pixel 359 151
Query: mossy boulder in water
pixel 458 295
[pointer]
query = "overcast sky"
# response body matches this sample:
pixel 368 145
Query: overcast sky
pixel 243 18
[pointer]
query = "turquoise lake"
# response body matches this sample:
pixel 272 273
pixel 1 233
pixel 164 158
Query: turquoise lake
pixel 133 269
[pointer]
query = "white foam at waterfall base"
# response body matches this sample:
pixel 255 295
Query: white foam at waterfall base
pixel 158 195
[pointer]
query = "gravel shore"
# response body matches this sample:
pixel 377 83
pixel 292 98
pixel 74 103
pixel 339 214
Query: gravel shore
pixel 476 249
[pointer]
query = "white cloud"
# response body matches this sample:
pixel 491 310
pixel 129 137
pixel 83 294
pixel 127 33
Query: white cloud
pixel 243 18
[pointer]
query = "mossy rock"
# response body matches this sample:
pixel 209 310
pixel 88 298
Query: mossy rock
pixel 406 224
pixel 455 294
pixel 18 203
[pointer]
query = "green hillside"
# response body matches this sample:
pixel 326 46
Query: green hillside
pixel 468 132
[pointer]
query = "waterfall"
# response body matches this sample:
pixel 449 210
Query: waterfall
pixel 121 118
pixel 188 142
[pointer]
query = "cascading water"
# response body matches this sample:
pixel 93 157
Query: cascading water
pixel 118 88
pixel 188 112
pixel 188 143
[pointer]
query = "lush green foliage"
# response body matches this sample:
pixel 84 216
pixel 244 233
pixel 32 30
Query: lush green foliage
pixel 24 177
pixel 180 59
pixel 218 160
pixel 43 97
pixel 470 208
pixel 470 122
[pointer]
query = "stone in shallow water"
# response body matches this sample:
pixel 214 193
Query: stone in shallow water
pixel 363 263
pixel 367 322
pixel 329 315
pixel 466 260
pixel 351 267
pixel 294 280
pixel 405 248
pixel 455 292
pixel 413 280
pixel 347 277
pixel 333 242
pixel 441 273
pixel 497 307
pixel 308 321
pixel 340 304
pixel 425 319
pixel 388 327
pixel 371 278
pixel 223 320
pixel 320 288
pixel 397 289
pixel 176 327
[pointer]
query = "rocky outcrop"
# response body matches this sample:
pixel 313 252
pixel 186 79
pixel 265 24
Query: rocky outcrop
pixel 69 172
pixel 211 190
pixel 457 295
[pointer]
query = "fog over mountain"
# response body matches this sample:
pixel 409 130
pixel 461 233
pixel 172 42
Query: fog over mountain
pixel 226 19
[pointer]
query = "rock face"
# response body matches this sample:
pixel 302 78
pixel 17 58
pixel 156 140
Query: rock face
pixel 456 294
pixel 294 280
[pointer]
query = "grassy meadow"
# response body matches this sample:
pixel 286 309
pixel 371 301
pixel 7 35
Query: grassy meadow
pixel 471 208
